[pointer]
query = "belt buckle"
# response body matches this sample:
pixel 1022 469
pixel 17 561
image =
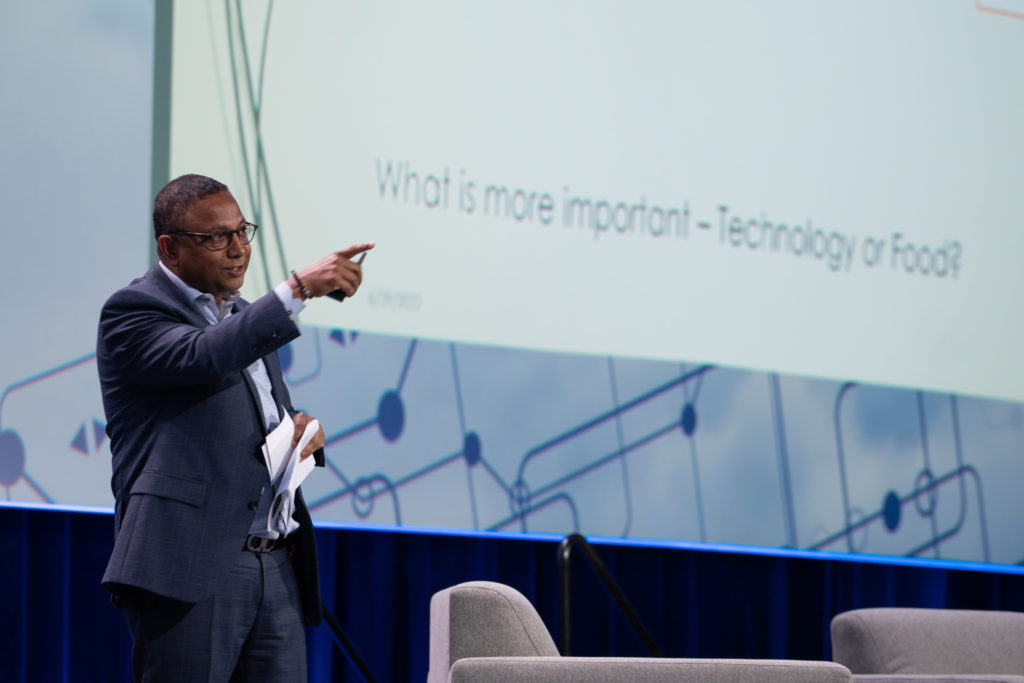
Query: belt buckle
pixel 258 544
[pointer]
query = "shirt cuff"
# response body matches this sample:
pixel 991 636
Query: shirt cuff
pixel 292 305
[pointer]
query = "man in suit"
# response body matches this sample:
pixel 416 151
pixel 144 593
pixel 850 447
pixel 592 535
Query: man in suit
pixel 212 585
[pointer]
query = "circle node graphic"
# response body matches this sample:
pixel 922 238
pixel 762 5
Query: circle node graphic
pixel 12 457
pixel 391 415
pixel 688 420
pixel 362 497
pixel 891 511
pixel 471 448
pixel 520 496
pixel 926 493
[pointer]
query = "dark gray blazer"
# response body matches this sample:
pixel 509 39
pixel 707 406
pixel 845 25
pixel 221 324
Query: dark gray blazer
pixel 185 431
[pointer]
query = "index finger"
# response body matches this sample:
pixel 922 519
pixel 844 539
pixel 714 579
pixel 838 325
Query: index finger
pixel 357 249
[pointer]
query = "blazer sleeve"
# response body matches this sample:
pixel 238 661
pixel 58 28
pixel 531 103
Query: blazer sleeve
pixel 151 341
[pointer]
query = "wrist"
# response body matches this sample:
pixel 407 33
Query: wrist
pixel 299 290
pixel 296 291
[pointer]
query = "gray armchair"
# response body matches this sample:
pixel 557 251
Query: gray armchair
pixel 482 632
pixel 913 644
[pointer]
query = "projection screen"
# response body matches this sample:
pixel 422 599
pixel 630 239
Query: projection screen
pixel 669 272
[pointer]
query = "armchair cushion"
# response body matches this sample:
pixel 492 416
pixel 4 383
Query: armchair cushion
pixel 483 619
pixel 938 642
pixel 642 670
pixel 482 632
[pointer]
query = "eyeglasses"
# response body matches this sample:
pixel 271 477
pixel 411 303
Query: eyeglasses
pixel 218 241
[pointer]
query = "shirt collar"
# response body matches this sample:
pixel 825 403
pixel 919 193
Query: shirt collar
pixel 201 299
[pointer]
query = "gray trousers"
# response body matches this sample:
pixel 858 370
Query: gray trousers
pixel 251 629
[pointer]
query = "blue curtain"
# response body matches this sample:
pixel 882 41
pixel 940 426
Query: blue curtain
pixel 58 623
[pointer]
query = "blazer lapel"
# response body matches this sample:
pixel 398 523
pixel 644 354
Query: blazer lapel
pixel 253 391
pixel 273 364
pixel 159 279
pixel 170 290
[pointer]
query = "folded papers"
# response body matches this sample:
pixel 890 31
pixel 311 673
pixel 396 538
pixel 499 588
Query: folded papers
pixel 287 471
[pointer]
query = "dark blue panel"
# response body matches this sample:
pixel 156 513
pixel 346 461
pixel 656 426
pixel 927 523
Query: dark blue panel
pixel 58 623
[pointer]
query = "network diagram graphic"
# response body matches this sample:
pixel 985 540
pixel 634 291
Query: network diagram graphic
pixel 424 433
pixel 485 438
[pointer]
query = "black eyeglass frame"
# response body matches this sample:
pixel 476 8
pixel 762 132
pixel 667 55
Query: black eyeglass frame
pixel 245 233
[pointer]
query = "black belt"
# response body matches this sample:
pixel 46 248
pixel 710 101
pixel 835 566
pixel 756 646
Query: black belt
pixel 258 544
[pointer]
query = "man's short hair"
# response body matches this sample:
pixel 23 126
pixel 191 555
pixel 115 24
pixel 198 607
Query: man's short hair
pixel 173 201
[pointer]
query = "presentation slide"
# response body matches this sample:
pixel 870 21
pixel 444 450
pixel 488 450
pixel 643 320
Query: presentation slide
pixel 723 272
pixel 821 189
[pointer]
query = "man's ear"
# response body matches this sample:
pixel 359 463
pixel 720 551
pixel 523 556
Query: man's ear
pixel 168 248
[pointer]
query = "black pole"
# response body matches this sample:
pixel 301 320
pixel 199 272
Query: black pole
pixel 346 645
pixel 565 620
pixel 564 551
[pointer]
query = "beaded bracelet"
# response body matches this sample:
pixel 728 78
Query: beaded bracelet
pixel 302 288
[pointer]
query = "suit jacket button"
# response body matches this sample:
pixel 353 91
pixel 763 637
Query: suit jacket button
pixel 253 504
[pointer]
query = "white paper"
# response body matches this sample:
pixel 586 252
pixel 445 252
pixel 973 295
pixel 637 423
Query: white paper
pixel 287 471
